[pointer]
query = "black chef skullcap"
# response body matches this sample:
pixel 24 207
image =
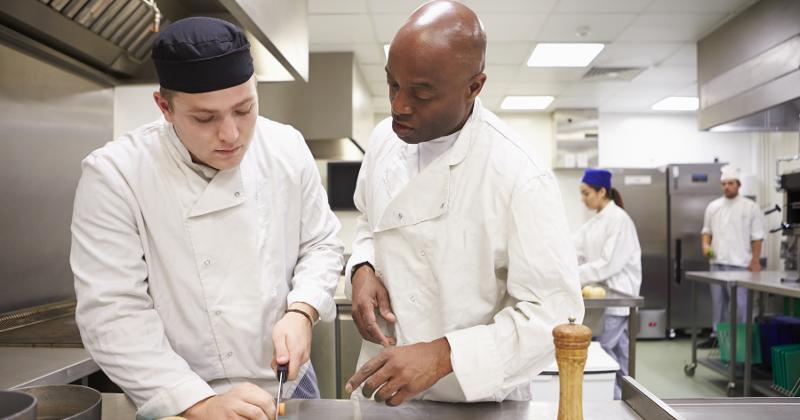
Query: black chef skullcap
pixel 201 54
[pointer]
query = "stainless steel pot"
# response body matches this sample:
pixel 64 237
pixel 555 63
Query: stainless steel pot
pixel 15 405
pixel 66 402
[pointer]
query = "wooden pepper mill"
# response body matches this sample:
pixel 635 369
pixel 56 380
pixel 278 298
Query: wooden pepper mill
pixel 572 347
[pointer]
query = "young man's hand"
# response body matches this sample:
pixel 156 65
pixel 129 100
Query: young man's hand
pixel 242 401
pixel 291 339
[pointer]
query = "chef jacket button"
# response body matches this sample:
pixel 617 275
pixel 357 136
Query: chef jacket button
pixel 207 262
pixel 422 253
pixel 217 312
pixel 442 206
pixel 412 299
pixel 400 216
pixel 230 354
pixel 237 194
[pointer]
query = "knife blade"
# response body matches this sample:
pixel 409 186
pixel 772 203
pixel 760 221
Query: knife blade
pixel 283 372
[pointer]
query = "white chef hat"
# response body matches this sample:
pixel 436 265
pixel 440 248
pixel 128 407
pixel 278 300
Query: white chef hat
pixel 730 172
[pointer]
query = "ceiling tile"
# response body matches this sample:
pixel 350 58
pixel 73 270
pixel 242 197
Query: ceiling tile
pixel 628 104
pixel 653 91
pixel 495 88
pixel 371 53
pixel 686 56
pixel 668 74
pixel 394 6
pixel 537 89
pixel 563 102
pixel 695 6
pixel 635 54
pixel 338 6
pixel 387 25
pixel 374 72
pixel 672 27
pixel 550 74
pixel 339 29
pixel 508 52
pixel 594 89
pixel 602 27
pixel 689 90
pixel 510 6
pixel 512 27
pixel 378 88
pixel 502 73
pixel 604 6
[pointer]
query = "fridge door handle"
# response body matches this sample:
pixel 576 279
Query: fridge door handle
pixel 678 261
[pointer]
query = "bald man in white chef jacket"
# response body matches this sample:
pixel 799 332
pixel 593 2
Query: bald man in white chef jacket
pixel 462 243
pixel 733 230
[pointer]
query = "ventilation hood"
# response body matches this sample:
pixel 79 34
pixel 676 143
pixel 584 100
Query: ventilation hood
pixel 109 41
pixel 748 70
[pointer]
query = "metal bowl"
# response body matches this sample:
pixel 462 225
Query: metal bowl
pixel 66 402
pixel 15 405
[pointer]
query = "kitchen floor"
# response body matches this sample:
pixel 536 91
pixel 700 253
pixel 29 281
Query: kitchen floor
pixel 659 367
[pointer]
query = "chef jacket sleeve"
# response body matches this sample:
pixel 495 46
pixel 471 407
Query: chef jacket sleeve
pixel 757 224
pixel 490 360
pixel 706 221
pixel 319 261
pixel 615 252
pixel 118 323
pixel 363 249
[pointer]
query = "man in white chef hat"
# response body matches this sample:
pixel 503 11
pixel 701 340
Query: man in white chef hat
pixel 733 230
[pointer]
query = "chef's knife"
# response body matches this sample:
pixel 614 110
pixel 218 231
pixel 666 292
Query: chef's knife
pixel 283 372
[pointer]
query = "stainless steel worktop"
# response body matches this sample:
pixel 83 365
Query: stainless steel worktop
pixel 765 281
pixel 117 406
pixel 29 366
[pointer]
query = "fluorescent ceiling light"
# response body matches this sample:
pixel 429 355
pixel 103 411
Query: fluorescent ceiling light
pixel 677 103
pixel 526 102
pixel 385 50
pixel 564 55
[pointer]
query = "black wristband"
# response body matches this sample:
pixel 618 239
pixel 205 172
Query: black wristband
pixel 302 313
pixel 357 266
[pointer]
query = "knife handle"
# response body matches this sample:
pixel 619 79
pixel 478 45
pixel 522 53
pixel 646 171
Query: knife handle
pixel 283 372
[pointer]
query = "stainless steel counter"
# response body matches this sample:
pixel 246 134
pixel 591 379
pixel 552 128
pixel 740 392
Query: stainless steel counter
pixel 118 407
pixel 29 366
pixel 764 282
pixel 737 408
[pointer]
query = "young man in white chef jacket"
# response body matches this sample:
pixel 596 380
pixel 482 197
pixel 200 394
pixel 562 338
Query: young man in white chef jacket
pixel 733 231
pixel 203 246
pixel 462 243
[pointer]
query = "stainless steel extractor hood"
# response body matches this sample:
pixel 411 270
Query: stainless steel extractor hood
pixel 109 41
pixel 748 70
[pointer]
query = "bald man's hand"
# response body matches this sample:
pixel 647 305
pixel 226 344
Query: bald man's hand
pixel 369 294
pixel 399 373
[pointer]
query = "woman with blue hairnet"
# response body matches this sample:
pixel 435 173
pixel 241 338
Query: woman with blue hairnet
pixel 609 254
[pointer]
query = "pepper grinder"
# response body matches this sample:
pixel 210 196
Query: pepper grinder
pixel 572 347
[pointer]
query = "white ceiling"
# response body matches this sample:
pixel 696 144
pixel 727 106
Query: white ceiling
pixel 657 34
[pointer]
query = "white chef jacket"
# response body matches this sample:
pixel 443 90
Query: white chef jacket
pixel 733 223
pixel 609 252
pixel 475 248
pixel 180 279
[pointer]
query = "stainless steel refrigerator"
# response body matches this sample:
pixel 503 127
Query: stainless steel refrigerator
pixel 667 206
